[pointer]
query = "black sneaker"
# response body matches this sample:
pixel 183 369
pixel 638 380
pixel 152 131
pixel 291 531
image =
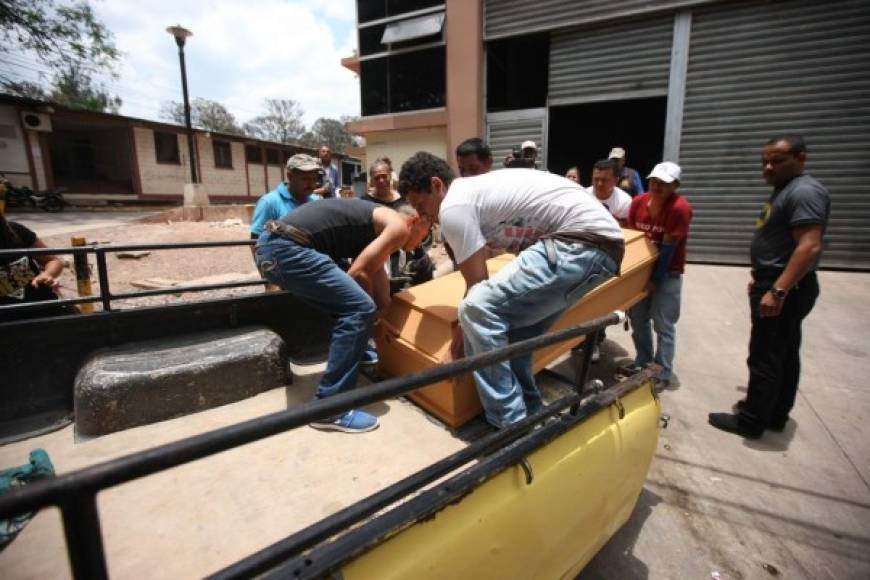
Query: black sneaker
pixel 777 425
pixel 732 424
pixel 628 370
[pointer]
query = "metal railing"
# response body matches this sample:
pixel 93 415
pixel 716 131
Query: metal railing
pixel 75 493
pixel 105 296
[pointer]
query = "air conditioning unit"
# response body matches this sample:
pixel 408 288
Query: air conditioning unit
pixel 36 121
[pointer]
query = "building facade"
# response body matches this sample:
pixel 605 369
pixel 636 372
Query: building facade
pixel 701 82
pixel 100 156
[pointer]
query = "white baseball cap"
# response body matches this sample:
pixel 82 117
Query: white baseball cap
pixel 617 153
pixel 667 171
pixel 529 145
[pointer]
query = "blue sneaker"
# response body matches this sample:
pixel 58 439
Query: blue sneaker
pixel 369 357
pixel 354 421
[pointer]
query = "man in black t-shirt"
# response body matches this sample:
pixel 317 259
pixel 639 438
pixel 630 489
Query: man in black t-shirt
pixel 299 253
pixel 784 253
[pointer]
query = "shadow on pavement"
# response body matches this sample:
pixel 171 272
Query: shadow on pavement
pixel 616 559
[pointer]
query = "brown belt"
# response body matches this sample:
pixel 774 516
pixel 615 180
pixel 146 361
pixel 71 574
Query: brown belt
pixel 289 232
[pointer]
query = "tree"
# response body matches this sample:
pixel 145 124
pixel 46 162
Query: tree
pixel 75 88
pixel 61 34
pixel 282 122
pixel 329 132
pixel 204 114
pixel 26 89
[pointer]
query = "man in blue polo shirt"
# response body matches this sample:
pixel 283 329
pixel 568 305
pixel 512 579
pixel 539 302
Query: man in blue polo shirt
pixel 302 173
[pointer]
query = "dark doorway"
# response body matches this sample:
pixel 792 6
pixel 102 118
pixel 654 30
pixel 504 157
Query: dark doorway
pixel 91 158
pixel 582 134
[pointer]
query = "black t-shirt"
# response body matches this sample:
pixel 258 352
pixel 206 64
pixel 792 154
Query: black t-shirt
pixel 18 271
pixel 390 204
pixel 340 228
pixel 802 201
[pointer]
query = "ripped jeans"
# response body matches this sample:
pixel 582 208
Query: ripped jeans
pixel 316 279
pixel 521 301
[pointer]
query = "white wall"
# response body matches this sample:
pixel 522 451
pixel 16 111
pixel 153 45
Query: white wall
pixel 400 144
pixel 13 148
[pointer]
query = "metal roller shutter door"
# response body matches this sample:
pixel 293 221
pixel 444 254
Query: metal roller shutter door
pixel 598 64
pixel 760 69
pixel 510 128
pixel 513 17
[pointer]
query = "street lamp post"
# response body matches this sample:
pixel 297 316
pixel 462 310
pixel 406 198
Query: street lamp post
pixel 181 34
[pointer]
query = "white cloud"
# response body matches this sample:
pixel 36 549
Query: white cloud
pixel 238 55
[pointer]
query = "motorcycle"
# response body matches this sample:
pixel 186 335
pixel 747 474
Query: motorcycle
pixel 50 200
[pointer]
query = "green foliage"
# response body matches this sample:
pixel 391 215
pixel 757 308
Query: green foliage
pixel 331 132
pixel 204 114
pixel 26 89
pixel 282 122
pixel 75 88
pixel 62 34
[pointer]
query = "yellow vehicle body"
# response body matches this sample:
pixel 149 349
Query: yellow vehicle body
pixel 584 487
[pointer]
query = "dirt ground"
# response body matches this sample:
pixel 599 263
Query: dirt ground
pixel 187 267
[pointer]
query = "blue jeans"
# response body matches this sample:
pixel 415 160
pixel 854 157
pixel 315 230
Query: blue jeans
pixel 663 309
pixel 523 300
pixel 316 279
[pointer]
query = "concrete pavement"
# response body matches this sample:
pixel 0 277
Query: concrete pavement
pixel 73 221
pixel 790 505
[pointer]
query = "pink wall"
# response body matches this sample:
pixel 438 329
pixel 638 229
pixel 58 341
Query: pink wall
pixel 464 73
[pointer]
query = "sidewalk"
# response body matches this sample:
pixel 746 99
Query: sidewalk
pixel 790 505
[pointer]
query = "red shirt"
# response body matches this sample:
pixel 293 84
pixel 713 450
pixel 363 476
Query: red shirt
pixel 672 221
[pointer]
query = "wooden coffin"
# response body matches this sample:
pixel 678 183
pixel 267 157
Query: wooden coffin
pixel 426 315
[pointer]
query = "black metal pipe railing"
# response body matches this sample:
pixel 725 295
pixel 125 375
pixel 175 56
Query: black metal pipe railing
pixel 75 493
pixel 105 297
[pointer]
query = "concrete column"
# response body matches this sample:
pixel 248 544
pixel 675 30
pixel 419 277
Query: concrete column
pixel 464 73
pixel 677 85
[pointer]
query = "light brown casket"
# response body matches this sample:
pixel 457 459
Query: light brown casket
pixel 426 315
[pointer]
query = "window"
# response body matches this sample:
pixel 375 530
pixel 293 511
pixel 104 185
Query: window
pixel 516 73
pixel 403 82
pixel 254 154
pixel 166 147
pixel 223 154
pixel 413 28
pixel 273 157
pixel 368 10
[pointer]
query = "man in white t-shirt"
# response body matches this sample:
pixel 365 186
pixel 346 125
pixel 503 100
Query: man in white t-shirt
pixel 566 244
pixel 617 202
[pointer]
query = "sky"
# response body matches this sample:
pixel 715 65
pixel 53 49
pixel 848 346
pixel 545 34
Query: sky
pixel 241 53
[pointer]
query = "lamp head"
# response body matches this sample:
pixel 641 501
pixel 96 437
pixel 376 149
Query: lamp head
pixel 180 33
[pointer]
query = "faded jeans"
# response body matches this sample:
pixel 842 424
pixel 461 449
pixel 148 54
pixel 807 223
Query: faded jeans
pixel 521 301
pixel 316 279
pixel 663 310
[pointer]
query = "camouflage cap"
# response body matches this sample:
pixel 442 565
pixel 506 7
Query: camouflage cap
pixel 303 162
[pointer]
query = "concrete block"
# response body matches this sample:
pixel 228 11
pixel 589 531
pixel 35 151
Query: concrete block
pixel 195 194
pixel 145 382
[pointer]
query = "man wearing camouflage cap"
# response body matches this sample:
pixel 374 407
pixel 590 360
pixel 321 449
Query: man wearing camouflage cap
pixel 302 173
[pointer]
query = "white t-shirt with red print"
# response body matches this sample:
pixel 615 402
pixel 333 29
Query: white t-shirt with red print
pixel 511 209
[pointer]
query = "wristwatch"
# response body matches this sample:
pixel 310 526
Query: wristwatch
pixel 779 293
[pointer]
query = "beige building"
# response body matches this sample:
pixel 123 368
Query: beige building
pixel 112 157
